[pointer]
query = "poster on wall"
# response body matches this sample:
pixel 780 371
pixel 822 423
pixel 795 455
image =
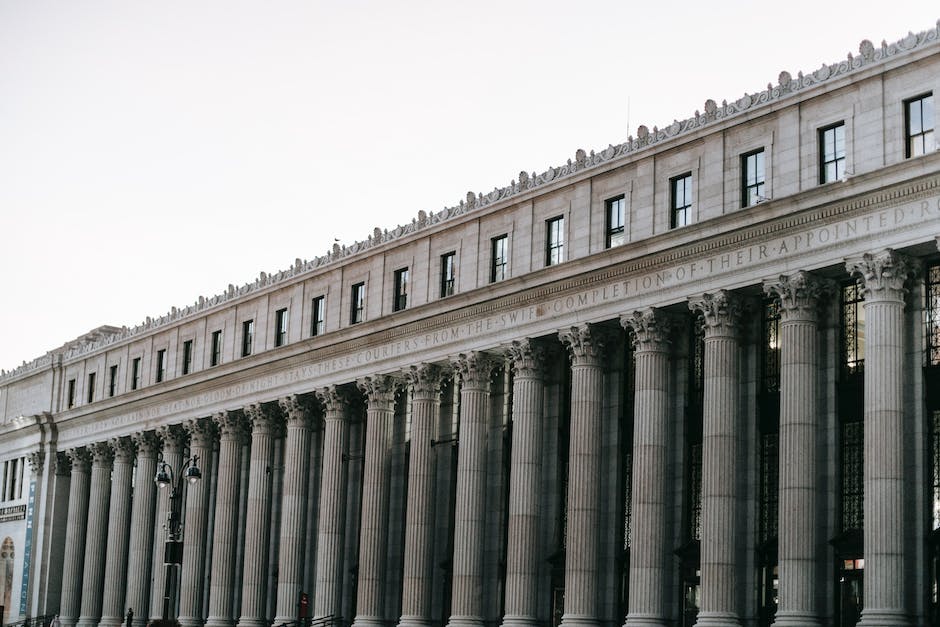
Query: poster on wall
pixel 27 550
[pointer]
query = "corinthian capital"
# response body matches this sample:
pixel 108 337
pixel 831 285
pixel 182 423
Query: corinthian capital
pixel 425 381
pixel 475 369
pixel 652 327
pixel 147 443
pixel 585 344
pixel 883 274
pixel 297 410
pixel 379 390
pixel 335 402
pixel 721 312
pixel 201 431
pixel 262 417
pixel 527 358
pixel 123 449
pixel 799 294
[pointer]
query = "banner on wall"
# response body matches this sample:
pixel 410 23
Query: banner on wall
pixel 28 549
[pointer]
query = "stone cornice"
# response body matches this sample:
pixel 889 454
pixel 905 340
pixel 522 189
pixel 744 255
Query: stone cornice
pixel 869 56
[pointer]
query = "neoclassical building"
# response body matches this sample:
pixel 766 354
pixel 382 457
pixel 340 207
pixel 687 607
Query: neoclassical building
pixel 689 379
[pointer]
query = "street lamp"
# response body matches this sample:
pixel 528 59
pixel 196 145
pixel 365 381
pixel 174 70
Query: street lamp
pixel 173 553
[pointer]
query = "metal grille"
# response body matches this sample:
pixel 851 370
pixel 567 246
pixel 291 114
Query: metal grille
pixel 698 359
pixel 932 315
pixel 770 374
pixel 627 498
pixel 769 494
pixel 935 445
pixel 695 493
pixel 852 475
pixel 853 329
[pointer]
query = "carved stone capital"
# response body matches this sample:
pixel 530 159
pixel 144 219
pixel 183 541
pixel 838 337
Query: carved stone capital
pixel 123 449
pixel 425 381
pixel 174 438
pixel 297 410
pixel 147 443
pixel 799 294
pixel 62 463
pixel 101 453
pixel 883 274
pixel 585 344
pixel 721 312
pixel 526 357
pixel 201 432
pixel 36 460
pixel 379 390
pixel 335 402
pixel 475 369
pixel 652 328
pixel 262 418
pixel 231 424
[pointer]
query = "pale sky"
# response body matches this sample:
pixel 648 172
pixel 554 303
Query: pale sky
pixel 153 152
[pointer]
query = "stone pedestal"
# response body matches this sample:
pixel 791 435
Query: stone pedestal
pixel 720 467
pixel 73 565
pixel 96 536
pixel 116 573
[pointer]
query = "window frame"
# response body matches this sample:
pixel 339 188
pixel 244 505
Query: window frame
pixel 187 365
pixel 90 395
pixel 112 381
pixel 675 209
pixel 400 289
pixel 215 356
pixel 248 337
pixel 317 315
pixel 499 263
pixel 280 327
pixel 554 241
pixel 70 397
pixel 836 160
pixel 619 230
pixel 448 274
pixel 135 373
pixel 357 302
pixel 759 176
pixel 160 373
pixel 925 135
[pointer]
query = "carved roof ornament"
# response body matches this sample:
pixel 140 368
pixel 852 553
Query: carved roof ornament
pixel 786 86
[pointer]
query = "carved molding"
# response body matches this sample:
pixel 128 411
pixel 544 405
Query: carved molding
pixel 652 328
pixel 883 274
pixel 799 294
pixel 721 311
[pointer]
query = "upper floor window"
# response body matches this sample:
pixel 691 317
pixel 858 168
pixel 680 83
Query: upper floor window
pixel 752 178
pixel 499 258
pixel 681 200
pixel 554 241
pixel 832 153
pixel 448 273
pixel 135 373
pixel 616 235
pixel 91 386
pixel 280 327
pixel 215 358
pixel 71 394
pixel 248 337
pixel 187 356
pixel 400 297
pixel 918 122
pixel 112 380
pixel 161 365
pixel 357 302
pixel 318 316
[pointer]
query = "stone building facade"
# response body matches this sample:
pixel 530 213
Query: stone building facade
pixel 687 379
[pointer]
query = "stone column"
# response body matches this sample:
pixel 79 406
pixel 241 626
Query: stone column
pixel 232 430
pixel 475 371
pixel 373 530
pixel 174 440
pixel 143 510
pixel 264 425
pixel 75 530
pixel 329 581
pixel 884 275
pixel 96 535
pixel 294 506
pixel 722 313
pixel 648 555
pixel 799 296
pixel 582 572
pixel 192 578
pixel 115 570
pixel 525 482
pixel 425 382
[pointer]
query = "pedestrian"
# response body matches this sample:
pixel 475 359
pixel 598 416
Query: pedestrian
pixel 130 617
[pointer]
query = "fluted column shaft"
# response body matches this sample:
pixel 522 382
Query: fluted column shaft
pixel 96 536
pixel 231 426
pixel 192 577
pixel 722 313
pixel 75 530
pixel 293 507
pixel 373 530
pixel 525 477
pixel 648 558
pixel 263 427
pixel 332 504
pixel 119 518
pixel 798 296
pixel 884 276
pixel 475 371
pixel 425 382
pixel 174 439
pixel 585 346
pixel 143 510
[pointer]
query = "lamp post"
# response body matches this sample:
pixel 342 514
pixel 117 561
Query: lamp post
pixel 173 553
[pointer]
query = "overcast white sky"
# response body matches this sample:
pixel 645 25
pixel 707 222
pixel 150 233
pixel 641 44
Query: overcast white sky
pixel 153 152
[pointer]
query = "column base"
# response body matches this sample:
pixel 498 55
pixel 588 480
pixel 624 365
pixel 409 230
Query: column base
pixel 87 621
pixel 189 621
pixel 218 621
pixel 518 620
pixel 795 619
pixel 717 619
pixel 465 621
pixel 112 621
pixel 579 620
pixel 252 621
pixel 887 618
pixel 644 620
pixel 414 621
pixel 368 621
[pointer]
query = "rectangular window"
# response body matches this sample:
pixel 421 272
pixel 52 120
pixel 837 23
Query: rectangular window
pixel 161 365
pixel 187 356
pixel 216 357
pixel 357 302
pixel 448 274
pixel 318 316
pixel 752 178
pixel 681 200
pixel 499 258
pixel 918 123
pixel 280 327
pixel 832 153
pixel 135 373
pixel 554 241
pixel 853 329
pixel 112 381
pixel 616 236
pixel 71 396
pixel 400 297
pixel 91 387
pixel 248 337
